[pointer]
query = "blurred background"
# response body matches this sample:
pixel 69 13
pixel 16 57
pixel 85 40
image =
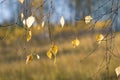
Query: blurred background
pixel 85 62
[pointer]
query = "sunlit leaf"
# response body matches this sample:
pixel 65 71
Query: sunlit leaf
pixel 38 57
pixel 53 52
pixel 43 24
pixel 30 20
pixel 29 58
pixel 75 43
pixel 62 21
pixel 49 54
pixel 21 1
pixel 54 49
pixel 99 38
pixel 88 19
pixel 29 35
pixel 24 22
pixel 117 70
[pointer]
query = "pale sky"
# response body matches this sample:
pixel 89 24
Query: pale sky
pixel 9 10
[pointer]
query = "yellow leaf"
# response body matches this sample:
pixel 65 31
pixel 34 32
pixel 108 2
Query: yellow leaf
pixel 62 21
pixel 54 49
pixel 29 36
pixel 75 43
pixel 117 70
pixel 99 38
pixel 38 57
pixel 24 22
pixel 52 52
pixel 49 54
pixel 88 19
pixel 21 1
pixel 29 58
pixel 43 24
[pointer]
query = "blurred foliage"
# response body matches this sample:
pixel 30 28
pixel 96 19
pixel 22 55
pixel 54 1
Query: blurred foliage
pixel 14 48
pixel 68 63
pixel 10 34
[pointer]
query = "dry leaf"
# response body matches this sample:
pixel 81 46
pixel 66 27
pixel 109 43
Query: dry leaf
pixel 21 1
pixel 62 21
pixel 54 49
pixel 29 58
pixel 99 38
pixel 75 43
pixel 52 52
pixel 49 54
pixel 30 20
pixel 117 70
pixel 43 24
pixel 38 57
pixel 24 22
pixel 88 19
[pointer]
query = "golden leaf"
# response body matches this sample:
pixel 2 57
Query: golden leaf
pixel 75 43
pixel 49 54
pixel 29 58
pixel 29 36
pixel 117 70
pixel 54 49
pixel 99 38
pixel 21 1
pixel 38 57
pixel 88 19
pixel 43 24
pixel 62 21
pixel 52 52
pixel 24 22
